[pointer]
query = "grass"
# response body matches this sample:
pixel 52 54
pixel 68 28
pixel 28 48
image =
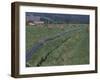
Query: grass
pixel 69 49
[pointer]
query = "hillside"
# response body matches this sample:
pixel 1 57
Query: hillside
pixel 57 18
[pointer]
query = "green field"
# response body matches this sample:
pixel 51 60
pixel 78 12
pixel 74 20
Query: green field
pixel 71 47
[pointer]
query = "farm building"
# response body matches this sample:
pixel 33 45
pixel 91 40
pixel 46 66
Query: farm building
pixel 34 23
pixel 33 20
